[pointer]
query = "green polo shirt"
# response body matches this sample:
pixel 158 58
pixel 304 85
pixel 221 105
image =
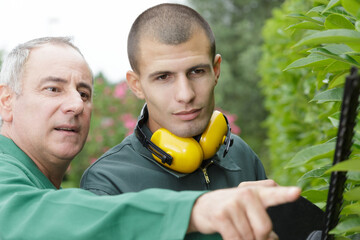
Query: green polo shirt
pixel 32 208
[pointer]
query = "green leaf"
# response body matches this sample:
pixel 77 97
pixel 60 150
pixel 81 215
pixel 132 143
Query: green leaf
pixel 332 95
pixel 348 165
pixel 340 10
pixel 353 194
pixel 351 209
pixel 331 36
pixel 357 25
pixel 315 173
pixel 331 4
pixel 313 60
pixel 334 122
pixel 306 25
pixel 353 176
pixel 336 21
pixel 325 150
pixel 339 79
pixel 349 225
pixel 315 196
pixel 352 7
pixel 305 18
pixel 338 49
pixel 342 238
pixel 317 10
pixel 354 46
pixel 340 57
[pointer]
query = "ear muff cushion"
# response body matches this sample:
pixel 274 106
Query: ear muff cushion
pixel 214 135
pixel 186 152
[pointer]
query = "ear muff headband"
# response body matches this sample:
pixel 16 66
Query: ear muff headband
pixel 186 154
pixel 162 155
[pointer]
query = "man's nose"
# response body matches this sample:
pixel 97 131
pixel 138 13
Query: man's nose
pixel 185 91
pixel 73 103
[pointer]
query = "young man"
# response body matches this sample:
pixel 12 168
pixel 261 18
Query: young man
pixel 45 106
pixel 175 69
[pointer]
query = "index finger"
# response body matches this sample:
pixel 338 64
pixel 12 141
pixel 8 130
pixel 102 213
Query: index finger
pixel 271 196
pixel 259 183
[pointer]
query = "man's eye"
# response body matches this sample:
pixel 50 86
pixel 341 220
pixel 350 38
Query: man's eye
pixel 85 96
pixel 163 77
pixel 198 71
pixel 52 89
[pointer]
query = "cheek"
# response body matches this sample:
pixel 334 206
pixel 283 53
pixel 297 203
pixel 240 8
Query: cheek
pixel 158 96
pixel 23 109
pixel 87 116
pixel 207 92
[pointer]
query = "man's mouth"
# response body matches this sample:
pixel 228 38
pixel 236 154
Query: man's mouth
pixel 188 115
pixel 67 129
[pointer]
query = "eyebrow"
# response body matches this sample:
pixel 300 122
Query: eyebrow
pixel 151 75
pixel 205 65
pixel 61 80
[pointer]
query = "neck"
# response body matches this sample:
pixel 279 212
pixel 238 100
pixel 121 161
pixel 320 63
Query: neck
pixel 55 173
pixel 53 167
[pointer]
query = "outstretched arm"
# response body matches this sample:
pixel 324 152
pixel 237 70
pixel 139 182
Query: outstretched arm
pixel 240 213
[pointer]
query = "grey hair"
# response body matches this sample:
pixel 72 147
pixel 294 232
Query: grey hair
pixel 13 66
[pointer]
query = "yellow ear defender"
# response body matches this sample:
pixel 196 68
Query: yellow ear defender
pixel 185 155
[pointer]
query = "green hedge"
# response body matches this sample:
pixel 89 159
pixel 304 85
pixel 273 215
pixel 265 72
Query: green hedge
pixel 308 51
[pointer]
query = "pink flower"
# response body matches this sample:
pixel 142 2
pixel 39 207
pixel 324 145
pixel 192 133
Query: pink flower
pixel 99 139
pixel 107 122
pixel 120 90
pixel 129 122
pixel 92 160
pixel 112 109
pixel 234 128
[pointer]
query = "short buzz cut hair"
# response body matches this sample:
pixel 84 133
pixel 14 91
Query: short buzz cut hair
pixel 167 23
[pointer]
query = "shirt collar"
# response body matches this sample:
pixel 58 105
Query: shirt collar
pixel 8 147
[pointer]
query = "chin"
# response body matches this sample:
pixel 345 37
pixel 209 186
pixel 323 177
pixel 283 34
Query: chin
pixel 68 154
pixel 188 132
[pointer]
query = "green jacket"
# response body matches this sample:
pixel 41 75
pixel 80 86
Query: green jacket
pixel 130 167
pixel 32 208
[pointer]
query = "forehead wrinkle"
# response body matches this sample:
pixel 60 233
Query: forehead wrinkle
pixel 52 79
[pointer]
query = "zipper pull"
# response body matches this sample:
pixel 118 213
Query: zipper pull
pixel 204 170
pixel 207 179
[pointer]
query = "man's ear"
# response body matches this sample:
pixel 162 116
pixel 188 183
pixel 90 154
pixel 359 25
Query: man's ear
pixel 133 81
pixel 216 67
pixel 5 103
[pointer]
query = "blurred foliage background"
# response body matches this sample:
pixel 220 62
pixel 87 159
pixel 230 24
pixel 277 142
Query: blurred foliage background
pixel 280 87
pixel 309 48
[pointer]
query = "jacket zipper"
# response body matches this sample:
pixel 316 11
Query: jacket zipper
pixel 206 176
